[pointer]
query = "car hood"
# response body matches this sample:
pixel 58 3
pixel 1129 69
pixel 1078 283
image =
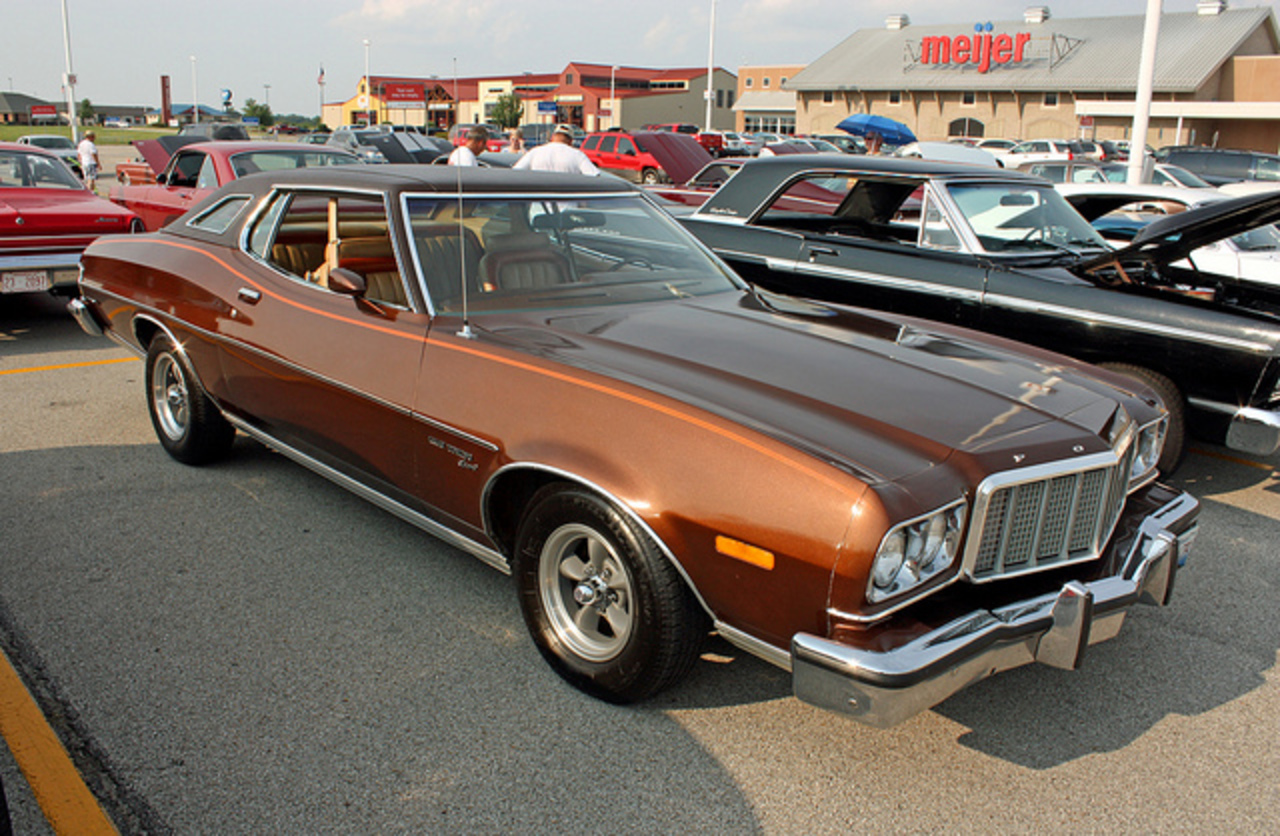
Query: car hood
pixel 680 155
pixel 1174 237
pixel 59 212
pixel 157 152
pixel 882 397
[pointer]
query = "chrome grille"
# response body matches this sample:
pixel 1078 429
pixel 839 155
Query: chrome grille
pixel 1048 519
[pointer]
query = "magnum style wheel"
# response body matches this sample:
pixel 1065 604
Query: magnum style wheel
pixel 606 610
pixel 189 426
pixel 1175 440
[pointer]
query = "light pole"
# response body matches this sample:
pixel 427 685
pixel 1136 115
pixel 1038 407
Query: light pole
pixel 1142 104
pixel 267 89
pixel 367 91
pixel 195 97
pixel 711 61
pixel 69 78
pixel 613 97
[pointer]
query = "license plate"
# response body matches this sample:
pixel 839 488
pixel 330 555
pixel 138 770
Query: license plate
pixel 27 281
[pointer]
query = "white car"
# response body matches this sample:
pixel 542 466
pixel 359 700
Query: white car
pixel 61 146
pixel 1037 150
pixel 1118 211
pixel 997 147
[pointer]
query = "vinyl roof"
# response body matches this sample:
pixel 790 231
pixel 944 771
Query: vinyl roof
pixel 1089 53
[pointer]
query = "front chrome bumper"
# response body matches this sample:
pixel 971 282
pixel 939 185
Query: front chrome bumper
pixel 1251 430
pixel 884 688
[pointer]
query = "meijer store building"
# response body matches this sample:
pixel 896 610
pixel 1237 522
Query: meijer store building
pixel 1217 78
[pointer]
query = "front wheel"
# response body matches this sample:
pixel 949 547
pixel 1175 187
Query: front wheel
pixel 609 613
pixel 188 424
pixel 1175 440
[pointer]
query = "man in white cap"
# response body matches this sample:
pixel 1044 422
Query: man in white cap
pixel 557 155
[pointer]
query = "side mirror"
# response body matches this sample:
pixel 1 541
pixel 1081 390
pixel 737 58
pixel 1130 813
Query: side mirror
pixel 162 179
pixel 349 282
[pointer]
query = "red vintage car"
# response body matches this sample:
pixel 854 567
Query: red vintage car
pixel 195 170
pixel 47 218
pixel 552 375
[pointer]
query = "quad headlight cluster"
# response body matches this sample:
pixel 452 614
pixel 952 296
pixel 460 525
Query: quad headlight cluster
pixel 1150 445
pixel 917 550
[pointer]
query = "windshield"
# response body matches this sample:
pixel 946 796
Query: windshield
pixel 252 162
pixel 59 143
pixel 35 171
pixel 1262 239
pixel 1011 218
pixel 516 254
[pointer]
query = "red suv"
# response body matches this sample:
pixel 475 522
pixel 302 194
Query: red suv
pixel 625 155
pixel 713 141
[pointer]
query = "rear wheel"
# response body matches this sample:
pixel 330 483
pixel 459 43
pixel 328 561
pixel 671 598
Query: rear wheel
pixel 1175 441
pixel 189 426
pixel 610 614
pixel 649 176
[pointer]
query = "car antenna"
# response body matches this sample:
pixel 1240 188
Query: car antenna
pixel 466 332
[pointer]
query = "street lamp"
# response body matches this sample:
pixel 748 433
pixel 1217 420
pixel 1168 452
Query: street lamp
pixel 711 62
pixel 367 91
pixel 69 79
pixel 267 89
pixel 195 96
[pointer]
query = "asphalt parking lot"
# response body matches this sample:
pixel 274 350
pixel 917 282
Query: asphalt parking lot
pixel 246 648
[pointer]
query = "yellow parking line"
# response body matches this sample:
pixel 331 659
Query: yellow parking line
pixel 67 803
pixel 1233 459
pixel 69 366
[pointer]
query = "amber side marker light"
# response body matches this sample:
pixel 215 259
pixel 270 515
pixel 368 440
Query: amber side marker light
pixel 746 553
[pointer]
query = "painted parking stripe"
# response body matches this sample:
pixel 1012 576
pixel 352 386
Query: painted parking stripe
pixel 61 793
pixel 69 366
pixel 1233 459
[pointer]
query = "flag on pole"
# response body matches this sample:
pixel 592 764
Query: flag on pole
pixel 320 80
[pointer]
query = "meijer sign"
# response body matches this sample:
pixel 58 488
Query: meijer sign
pixel 982 49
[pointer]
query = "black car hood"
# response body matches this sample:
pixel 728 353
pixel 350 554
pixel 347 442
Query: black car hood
pixel 1174 237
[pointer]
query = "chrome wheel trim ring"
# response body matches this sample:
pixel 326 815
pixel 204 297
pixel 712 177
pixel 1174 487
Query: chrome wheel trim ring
pixel 170 397
pixel 586 592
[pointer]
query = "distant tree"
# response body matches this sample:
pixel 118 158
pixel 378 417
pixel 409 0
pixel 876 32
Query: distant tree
pixel 86 112
pixel 262 111
pixel 507 111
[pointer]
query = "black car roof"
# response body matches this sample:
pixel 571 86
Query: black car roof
pixel 760 178
pixel 433 178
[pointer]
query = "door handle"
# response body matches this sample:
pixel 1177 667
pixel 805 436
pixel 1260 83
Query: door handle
pixel 814 252
pixel 249 295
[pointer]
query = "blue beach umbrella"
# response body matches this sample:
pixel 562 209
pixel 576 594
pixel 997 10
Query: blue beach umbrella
pixel 891 131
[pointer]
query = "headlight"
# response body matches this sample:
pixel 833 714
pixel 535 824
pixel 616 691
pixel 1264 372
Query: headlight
pixel 1150 445
pixel 915 551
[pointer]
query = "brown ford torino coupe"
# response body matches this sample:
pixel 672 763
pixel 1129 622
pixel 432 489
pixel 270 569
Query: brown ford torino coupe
pixel 550 374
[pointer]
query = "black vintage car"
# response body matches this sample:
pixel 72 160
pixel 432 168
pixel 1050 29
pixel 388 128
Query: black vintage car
pixel 1003 252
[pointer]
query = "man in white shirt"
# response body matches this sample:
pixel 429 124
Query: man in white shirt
pixel 88 152
pixel 466 153
pixel 557 155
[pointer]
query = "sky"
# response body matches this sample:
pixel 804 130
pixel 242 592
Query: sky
pixel 120 48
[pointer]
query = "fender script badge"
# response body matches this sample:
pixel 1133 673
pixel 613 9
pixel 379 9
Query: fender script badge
pixel 465 459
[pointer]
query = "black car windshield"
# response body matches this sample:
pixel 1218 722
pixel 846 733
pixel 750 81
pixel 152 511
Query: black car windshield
pixel 1020 218
pixel 527 253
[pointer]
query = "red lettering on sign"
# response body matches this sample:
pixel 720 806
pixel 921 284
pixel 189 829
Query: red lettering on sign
pixel 982 49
